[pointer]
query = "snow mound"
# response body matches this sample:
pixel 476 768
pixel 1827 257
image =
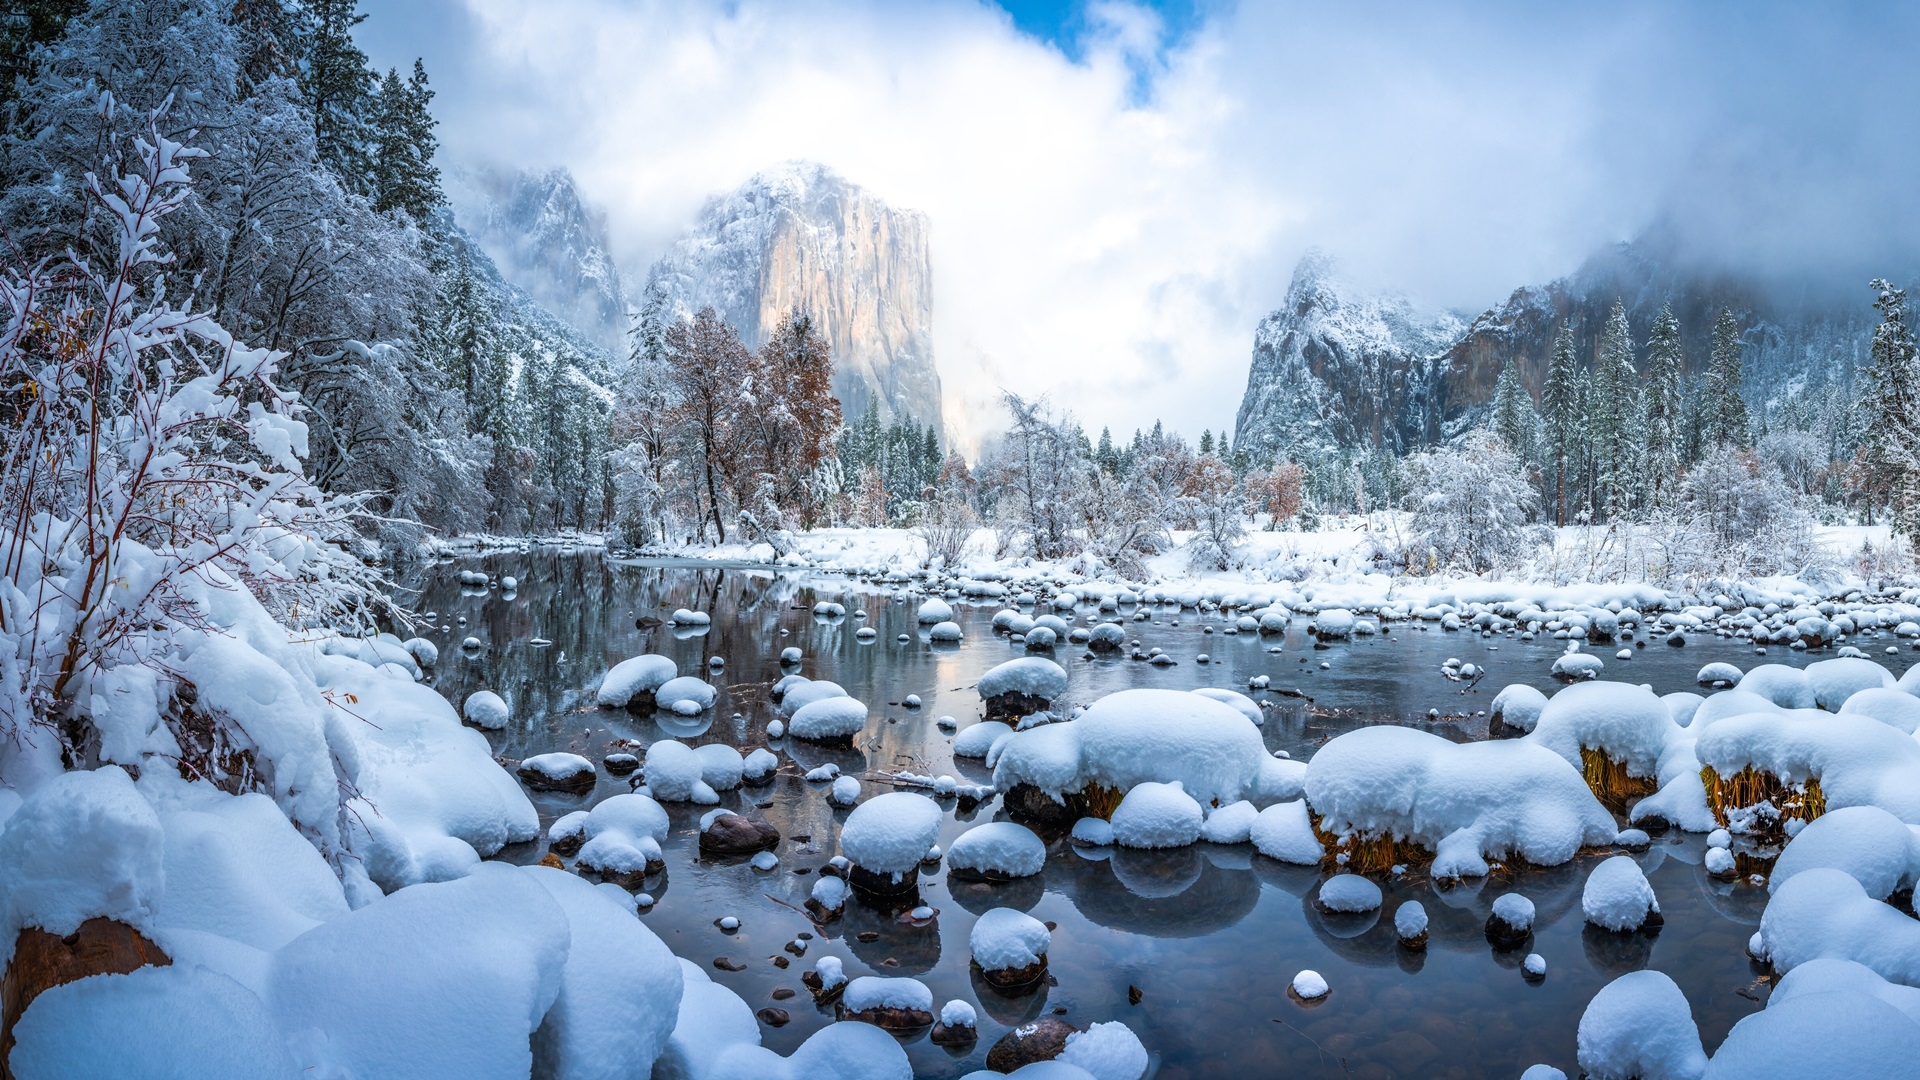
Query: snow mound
pixel 1617 895
pixel 1515 910
pixel 676 774
pixel 1093 832
pixel 1824 913
pixel 1155 815
pixel 637 675
pixel 876 992
pixel 1285 832
pixel 1891 706
pixel 619 991
pixel 1033 676
pixel 486 709
pixel 1349 893
pixel 1842 1021
pixel 1241 703
pixel 623 835
pixel 85 845
pixel 1000 847
pixel 934 610
pixel 1137 736
pixel 1230 824
pixel 1518 707
pixel 176 1021
pixel 1834 681
pixel 890 833
pixel 1005 939
pixel 686 694
pixel 1628 723
pixel 829 718
pixel 978 739
pixel 368 993
pixel 944 632
pixel 1879 850
pixel 1640 1027
pixel 1310 985
pixel 1466 803
pixel 1857 760
pixel 803 692
pixel 1107 1051
pixel 1785 686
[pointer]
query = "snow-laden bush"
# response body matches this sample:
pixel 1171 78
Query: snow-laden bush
pixel 1472 507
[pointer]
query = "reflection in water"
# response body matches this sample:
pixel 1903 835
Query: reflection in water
pixel 1209 936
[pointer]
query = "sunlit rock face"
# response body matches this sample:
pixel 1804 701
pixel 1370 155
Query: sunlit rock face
pixel 800 236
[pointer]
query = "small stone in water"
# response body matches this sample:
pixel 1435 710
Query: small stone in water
pixel 645 900
pixel 728 923
pixel 1324 665
pixel 1309 986
pixel 912 702
pixel 1535 966
pixel 766 860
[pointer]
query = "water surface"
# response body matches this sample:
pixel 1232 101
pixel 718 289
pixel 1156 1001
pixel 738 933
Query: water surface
pixel 1210 936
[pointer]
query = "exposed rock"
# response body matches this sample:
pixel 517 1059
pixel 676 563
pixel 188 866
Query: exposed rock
pixel 1015 981
pixel 737 834
pixel 896 1020
pixel 773 1017
pixel 957 1036
pixel 620 764
pixel 1039 1040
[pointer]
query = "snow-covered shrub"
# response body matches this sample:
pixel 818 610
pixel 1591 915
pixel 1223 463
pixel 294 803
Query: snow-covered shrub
pixel 1472 507
pixel 1749 520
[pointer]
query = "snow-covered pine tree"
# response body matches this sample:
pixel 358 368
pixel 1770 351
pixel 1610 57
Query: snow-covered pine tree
pixel 1661 384
pixel 1512 417
pixel 1616 416
pixel 403 176
pixel 1892 441
pixel 339 89
pixel 1561 415
pixel 1723 409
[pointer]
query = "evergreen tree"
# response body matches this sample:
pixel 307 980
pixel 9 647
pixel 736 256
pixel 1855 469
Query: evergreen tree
pixel 403 174
pixel 1105 456
pixel 1891 447
pixel 1666 367
pixel 1616 421
pixel 1206 440
pixel 1513 418
pixel 339 90
pixel 1724 410
pixel 1560 404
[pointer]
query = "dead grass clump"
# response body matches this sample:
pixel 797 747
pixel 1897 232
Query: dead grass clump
pixel 1612 784
pixel 1750 787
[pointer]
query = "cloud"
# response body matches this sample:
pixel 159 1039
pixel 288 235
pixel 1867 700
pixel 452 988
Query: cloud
pixel 1108 227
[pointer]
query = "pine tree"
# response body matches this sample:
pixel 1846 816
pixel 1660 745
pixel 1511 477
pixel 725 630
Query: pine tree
pixel 1105 456
pixel 1724 409
pixel 23 27
pixel 1513 418
pixel 1206 440
pixel 339 92
pixel 1666 367
pixel 403 174
pixel 1891 447
pixel 1616 430
pixel 1560 404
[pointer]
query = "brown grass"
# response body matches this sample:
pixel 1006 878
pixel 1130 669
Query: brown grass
pixel 1612 784
pixel 1750 787
pixel 1100 801
pixel 1367 854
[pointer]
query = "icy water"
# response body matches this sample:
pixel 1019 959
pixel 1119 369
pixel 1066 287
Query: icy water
pixel 1209 936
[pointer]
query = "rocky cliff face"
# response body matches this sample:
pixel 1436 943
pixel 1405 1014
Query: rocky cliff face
pixel 800 236
pixel 1337 367
pixel 548 244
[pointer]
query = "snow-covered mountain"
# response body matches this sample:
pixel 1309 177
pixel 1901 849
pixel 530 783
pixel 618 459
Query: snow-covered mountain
pixel 1341 367
pixel 1337 366
pixel 549 244
pixel 800 236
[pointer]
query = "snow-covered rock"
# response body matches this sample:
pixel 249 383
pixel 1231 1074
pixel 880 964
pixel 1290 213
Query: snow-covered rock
pixel 1156 815
pixel 890 833
pixel 638 676
pixel 1006 939
pixel 1640 1027
pixel 1617 895
pixel 486 709
pixel 997 849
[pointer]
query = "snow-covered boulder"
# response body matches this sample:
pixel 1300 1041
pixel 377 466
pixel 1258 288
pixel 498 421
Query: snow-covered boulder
pixel 934 610
pixel 1239 702
pixel 996 851
pixel 1890 705
pixel 1825 1018
pixel 1825 913
pixel 1009 947
pixel 1806 761
pixel 1155 815
pixel 889 834
pixel 1137 736
pixel 558 771
pixel 486 709
pixel 1879 850
pixel 1284 831
pixel 1834 681
pixel 687 695
pixel 622 837
pixel 1785 686
pixel 632 682
pixel 675 773
pixel 944 632
pixel 828 719
pixel 1640 1027
pixel 1515 711
pixel 978 739
pixel 1617 896
pixel 799 693
pixel 1465 802
pixel 1021 687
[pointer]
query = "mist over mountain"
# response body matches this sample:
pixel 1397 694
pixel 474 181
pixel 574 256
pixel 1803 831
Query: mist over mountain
pixel 1340 367
pixel 547 241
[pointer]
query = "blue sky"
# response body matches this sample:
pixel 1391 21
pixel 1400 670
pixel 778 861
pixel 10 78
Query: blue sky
pixel 1063 24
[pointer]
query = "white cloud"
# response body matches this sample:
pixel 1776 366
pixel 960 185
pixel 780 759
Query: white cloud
pixel 1111 229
